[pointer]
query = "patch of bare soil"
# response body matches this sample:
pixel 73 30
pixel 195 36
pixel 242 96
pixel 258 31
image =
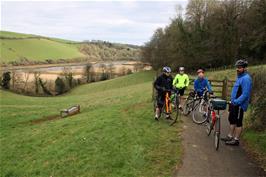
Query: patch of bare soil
pixel 44 119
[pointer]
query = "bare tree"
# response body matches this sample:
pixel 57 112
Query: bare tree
pixel 36 81
pixel 26 78
pixel 110 70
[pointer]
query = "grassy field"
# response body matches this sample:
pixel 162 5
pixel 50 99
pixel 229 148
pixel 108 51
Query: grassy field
pixel 16 47
pixel 37 49
pixel 114 135
pixel 9 34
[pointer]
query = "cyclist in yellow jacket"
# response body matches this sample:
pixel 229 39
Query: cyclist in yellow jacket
pixel 181 82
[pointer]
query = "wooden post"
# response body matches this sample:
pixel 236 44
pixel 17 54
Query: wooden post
pixel 225 88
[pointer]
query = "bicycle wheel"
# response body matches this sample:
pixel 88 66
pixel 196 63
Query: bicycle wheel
pixel 209 124
pixel 217 133
pixel 199 115
pixel 188 105
pixel 175 110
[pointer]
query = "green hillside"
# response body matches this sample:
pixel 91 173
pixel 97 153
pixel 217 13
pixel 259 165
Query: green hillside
pixel 9 34
pixel 37 49
pixel 18 47
pixel 114 135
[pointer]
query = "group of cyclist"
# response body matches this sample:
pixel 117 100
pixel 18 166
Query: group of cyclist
pixel 240 95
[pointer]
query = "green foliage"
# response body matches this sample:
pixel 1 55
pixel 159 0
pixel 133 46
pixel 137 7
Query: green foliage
pixel 108 51
pixel 258 110
pixel 212 34
pixel 114 135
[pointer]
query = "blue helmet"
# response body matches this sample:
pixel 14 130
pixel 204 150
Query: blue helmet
pixel 167 69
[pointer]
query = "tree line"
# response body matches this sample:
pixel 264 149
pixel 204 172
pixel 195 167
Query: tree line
pixel 210 34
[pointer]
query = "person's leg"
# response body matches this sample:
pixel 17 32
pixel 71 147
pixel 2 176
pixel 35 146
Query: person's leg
pixel 159 106
pixel 232 126
pixel 181 93
pixel 232 130
pixel 157 113
pixel 238 131
pixel 238 128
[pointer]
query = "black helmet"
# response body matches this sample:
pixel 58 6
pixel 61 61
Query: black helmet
pixel 242 63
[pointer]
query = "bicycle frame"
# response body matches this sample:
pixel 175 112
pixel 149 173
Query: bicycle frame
pixel 167 104
pixel 214 123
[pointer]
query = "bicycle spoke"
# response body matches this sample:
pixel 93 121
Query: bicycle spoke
pixel 199 114
pixel 188 106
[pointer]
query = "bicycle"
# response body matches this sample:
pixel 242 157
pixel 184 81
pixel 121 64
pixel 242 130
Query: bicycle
pixel 198 105
pixel 170 106
pixel 189 103
pixel 199 114
pixel 214 118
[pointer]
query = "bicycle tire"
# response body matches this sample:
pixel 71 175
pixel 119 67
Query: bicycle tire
pixel 188 105
pixel 177 111
pixel 209 125
pixel 217 134
pixel 197 116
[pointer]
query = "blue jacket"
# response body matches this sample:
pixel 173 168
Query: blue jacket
pixel 201 84
pixel 244 83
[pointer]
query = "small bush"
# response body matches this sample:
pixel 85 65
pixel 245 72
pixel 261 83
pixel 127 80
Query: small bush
pixel 59 85
pixel 5 83
pixel 258 105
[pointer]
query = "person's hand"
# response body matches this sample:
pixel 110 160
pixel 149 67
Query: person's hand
pixel 234 102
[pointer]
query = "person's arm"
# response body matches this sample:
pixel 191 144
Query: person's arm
pixel 209 86
pixel 157 84
pixel 187 80
pixel 246 89
pixel 175 81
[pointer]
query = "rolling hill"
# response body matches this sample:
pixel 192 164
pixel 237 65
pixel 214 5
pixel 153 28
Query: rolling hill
pixel 18 48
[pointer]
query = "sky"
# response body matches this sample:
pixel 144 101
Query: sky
pixel 131 22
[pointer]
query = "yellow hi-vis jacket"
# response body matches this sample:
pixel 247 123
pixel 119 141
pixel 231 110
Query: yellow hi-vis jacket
pixel 181 81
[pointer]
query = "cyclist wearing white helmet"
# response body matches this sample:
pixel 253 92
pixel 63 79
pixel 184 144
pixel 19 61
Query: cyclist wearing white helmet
pixel 181 83
pixel 163 84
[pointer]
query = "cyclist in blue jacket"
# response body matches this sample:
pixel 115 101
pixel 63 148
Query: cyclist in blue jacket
pixel 240 97
pixel 201 83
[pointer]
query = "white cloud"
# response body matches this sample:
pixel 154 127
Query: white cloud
pixel 127 22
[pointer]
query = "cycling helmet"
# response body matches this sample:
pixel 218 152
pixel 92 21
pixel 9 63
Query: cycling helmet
pixel 181 68
pixel 166 69
pixel 242 63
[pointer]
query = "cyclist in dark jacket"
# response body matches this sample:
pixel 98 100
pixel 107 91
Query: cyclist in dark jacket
pixel 240 97
pixel 163 84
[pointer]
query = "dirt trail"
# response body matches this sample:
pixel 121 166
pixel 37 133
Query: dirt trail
pixel 201 158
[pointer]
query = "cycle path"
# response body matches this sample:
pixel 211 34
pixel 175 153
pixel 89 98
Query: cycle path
pixel 201 158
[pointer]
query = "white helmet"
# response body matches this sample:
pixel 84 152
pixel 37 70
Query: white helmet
pixel 181 68
pixel 167 69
